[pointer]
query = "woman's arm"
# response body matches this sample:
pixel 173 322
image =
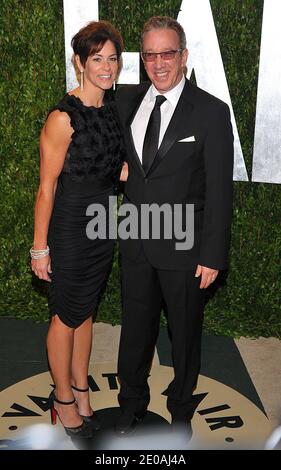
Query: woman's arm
pixel 54 141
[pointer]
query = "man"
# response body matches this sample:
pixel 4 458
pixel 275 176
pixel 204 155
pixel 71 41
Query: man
pixel 180 151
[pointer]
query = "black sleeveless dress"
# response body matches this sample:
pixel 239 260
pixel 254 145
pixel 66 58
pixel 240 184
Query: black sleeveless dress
pixel 80 265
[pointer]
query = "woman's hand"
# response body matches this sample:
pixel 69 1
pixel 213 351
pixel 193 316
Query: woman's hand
pixel 125 172
pixel 42 268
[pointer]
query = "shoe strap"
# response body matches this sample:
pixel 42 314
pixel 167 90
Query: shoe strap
pixel 80 389
pixel 64 402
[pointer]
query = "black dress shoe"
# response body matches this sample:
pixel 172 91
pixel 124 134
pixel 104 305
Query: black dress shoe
pixel 127 422
pixel 182 428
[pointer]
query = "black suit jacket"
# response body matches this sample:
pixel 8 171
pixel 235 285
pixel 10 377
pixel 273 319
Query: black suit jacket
pixel 198 172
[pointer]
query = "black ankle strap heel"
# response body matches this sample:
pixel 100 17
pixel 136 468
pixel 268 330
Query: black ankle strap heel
pixel 92 419
pixel 82 431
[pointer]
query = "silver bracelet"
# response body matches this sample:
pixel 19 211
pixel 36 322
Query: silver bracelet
pixel 38 254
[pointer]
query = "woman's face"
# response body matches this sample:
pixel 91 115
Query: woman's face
pixel 101 68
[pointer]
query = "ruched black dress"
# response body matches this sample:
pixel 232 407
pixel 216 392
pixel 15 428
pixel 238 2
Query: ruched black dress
pixel 93 162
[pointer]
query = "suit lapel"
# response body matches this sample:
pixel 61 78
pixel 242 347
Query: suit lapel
pixel 176 126
pixel 135 106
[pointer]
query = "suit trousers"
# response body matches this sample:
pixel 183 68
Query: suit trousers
pixel 145 290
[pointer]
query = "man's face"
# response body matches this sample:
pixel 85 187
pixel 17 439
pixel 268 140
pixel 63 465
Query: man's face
pixel 164 74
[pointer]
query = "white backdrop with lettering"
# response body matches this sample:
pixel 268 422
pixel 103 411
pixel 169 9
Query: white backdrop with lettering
pixel 205 59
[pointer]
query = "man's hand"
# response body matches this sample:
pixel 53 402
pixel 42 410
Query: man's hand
pixel 208 275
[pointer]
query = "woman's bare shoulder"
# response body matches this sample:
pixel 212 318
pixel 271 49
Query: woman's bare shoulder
pixel 57 123
pixel 59 118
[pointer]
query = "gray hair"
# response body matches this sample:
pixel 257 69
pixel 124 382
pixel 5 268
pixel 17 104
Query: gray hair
pixel 164 22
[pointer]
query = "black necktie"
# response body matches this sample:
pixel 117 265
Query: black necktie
pixel 151 138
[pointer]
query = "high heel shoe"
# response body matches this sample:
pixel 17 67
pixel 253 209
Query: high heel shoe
pixel 92 419
pixel 82 431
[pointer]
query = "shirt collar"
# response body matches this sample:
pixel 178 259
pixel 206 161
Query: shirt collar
pixel 172 95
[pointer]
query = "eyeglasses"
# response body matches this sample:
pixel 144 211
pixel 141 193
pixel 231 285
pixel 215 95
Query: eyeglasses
pixel 165 55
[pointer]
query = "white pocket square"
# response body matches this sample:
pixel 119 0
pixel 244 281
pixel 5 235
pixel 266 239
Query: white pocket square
pixel 188 139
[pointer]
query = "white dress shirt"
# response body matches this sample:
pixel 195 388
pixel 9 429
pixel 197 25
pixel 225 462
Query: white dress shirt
pixel 142 116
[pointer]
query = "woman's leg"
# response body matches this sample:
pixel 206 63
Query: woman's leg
pixel 80 365
pixel 60 342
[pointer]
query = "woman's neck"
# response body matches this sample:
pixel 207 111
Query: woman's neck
pixel 91 96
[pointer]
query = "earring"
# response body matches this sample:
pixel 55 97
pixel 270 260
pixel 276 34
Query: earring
pixel 82 80
pixel 114 85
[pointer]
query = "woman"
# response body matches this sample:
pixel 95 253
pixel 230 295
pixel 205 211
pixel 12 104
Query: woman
pixel 81 160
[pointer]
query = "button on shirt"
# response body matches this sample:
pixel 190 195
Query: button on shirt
pixel 141 119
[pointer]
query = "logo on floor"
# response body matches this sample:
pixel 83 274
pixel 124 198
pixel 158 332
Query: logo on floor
pixel 224 418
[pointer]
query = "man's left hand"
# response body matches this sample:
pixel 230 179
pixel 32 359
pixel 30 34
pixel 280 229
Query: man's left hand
pixel 208 275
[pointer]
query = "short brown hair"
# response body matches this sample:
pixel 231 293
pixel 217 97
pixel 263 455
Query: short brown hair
pixel 165 22
pixel 91 39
